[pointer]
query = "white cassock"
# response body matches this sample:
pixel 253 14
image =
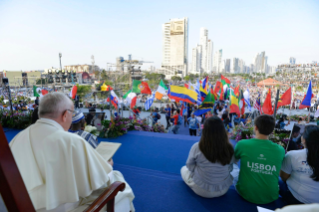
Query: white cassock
pixel 61 171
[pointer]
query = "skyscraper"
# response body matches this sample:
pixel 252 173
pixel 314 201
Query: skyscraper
pixel 235 68
pixel 210 46
pixel 217 62
pixel 196 59
pixel 175 45
pixel 206 52
pixel 227 66
pixel 261 63
pixel 292 61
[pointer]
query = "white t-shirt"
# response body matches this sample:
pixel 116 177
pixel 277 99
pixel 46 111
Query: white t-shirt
pixel 302 187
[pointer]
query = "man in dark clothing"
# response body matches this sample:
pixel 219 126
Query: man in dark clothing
pixel 90 116
pixel 36 101
pixel 76 101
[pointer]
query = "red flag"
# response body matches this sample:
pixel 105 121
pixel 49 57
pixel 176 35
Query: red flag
pixel 186 85
pixel 242 104
pixel 221 96
pixel 73 92
pixel 44 92
pixel 217 87
pixel 267 107
pixel 236 91
pixel 285 99
pixel 213 93
pixel 227 81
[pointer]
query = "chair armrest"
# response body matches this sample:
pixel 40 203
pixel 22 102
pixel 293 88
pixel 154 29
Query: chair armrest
pixel 107 197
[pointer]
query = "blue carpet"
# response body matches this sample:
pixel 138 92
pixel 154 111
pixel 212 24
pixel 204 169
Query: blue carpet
pixel 160 191
pixel 151 163
pixel 162 152
pixel 10 133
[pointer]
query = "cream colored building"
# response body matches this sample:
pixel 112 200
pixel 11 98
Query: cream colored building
pixel 20 78
pixel 175 46
pixel 82 68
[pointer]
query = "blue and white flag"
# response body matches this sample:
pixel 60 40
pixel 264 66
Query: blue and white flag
pixel 247 99
pixel 197 90
pixel 149 102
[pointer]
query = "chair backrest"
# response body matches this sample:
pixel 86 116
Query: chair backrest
pixel 12 189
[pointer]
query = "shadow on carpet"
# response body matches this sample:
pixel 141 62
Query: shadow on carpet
pixel 160 191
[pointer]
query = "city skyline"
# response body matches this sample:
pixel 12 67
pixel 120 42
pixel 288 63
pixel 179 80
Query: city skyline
pixel 34 32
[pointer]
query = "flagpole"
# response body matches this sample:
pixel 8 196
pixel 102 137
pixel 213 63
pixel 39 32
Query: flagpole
pixel 276 102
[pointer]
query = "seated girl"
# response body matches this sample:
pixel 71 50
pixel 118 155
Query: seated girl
pixel 210 161
pixel 300 171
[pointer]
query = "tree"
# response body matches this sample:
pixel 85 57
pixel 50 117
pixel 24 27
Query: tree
pixel 186 78
pixel 176 78
pixel 83 90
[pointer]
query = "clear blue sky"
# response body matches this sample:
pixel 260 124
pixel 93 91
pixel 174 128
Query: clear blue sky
pixel 32 33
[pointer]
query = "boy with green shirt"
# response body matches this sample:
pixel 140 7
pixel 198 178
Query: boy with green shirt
pixel 261 161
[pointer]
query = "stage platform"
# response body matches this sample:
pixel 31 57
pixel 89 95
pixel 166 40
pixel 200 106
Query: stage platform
pixel 151 163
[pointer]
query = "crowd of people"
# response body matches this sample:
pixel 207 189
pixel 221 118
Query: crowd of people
pixel 212 166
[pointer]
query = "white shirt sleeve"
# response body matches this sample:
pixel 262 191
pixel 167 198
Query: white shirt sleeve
pixel 287 163
pixel 191 163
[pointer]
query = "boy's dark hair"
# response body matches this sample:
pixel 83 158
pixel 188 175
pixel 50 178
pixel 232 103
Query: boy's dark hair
pixel 265 124
pixel 178 111
pixel 296 129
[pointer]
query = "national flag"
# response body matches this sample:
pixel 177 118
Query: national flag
pixel 236 91
pixel 257 104
pixel 114 99
pixel 234 107
pixel 182 94
pixel 217 87
pixel 38 92
pixel 149 101
pixel 221 95
pixel 186 85
pixel 242 104
pixel 106 87
pixel 213 93
pixel 303 106
pixel 161 90
pixel 204 83
pixel 44 91
pixel 285 99
pixel 206 105
pixel 306 102
pixel 267 107
pixel 73 91
pixel 141 87
pixel 130 99
pixel 203 93
pixel 247 99
pixel 225 81
pixel 197 90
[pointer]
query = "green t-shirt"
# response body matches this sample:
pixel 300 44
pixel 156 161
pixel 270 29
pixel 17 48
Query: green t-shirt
pixel 259 171
pixel 318 122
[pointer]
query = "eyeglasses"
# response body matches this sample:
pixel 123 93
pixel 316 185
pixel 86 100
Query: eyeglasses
pixel 72 111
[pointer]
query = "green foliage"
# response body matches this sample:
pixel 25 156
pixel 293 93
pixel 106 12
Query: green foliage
pixel 176 78
pixel 154 79
pixel 38 81
pixel 83 90
pixel 17 120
